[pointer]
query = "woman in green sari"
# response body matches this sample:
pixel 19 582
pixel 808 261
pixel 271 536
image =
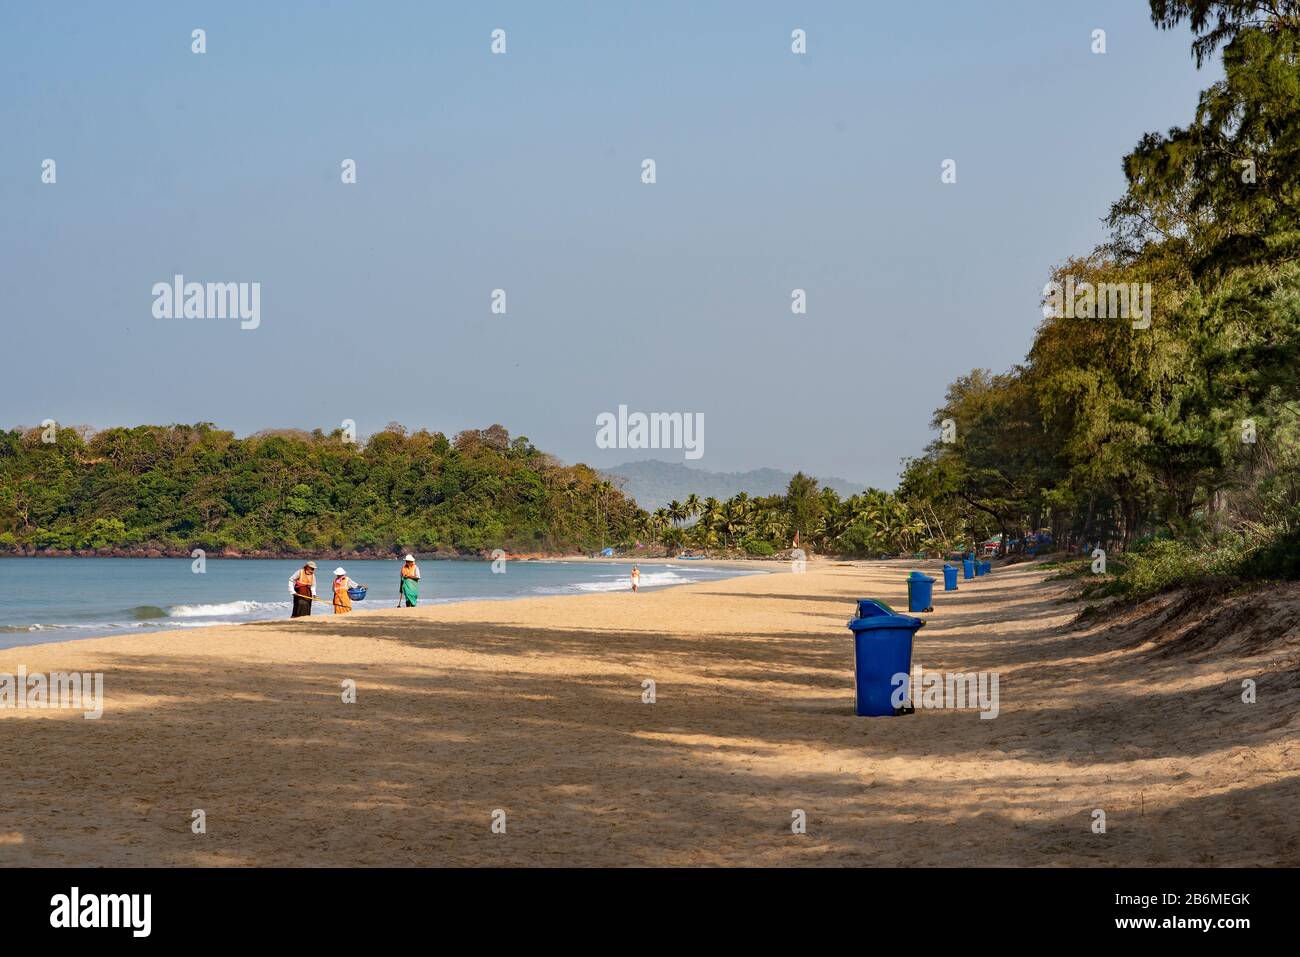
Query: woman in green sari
pixel 410 592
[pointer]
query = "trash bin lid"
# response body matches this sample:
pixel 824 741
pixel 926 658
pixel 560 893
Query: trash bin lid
pixel 918 577
pixel 871 607
pixel 878 622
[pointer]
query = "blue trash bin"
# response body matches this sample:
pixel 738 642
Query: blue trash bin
pixel 882 649
pixel 949 578
pixel 967 568
pixel 920 592
pixel 979 569
pixel 988 568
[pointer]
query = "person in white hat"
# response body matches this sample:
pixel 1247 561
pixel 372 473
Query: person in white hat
pixel 302 586
pixel 409 592
pixel 342 600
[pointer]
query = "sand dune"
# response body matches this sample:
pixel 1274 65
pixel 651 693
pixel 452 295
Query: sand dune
pixel 534 707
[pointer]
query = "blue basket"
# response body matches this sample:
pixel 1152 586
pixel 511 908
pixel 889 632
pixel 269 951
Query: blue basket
pixel 356 594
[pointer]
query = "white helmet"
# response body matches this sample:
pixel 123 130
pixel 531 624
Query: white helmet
pixel 339 571
pixel 409 558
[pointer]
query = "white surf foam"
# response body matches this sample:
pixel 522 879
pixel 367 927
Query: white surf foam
pixel 226 608
pixel 624 582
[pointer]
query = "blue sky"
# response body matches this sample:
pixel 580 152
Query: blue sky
pixel 522 172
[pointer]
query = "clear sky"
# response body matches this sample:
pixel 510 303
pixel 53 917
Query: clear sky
pixel 522 172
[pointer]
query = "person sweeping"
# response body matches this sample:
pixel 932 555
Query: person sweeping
pixel 342 600
pixel 303 588
pixel 409 592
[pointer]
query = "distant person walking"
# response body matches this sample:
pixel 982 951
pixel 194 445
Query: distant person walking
pixel 342 600
pixel 636 578
pixel 303 588
pixel 410 588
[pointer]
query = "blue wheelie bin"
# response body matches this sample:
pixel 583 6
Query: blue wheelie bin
pixel 979 568
pixel 882 650
pixel 920 592
pixel 949 578
pixel 967 568
pixel 988 568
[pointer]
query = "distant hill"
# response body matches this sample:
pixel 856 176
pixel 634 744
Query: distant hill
pixel 654 484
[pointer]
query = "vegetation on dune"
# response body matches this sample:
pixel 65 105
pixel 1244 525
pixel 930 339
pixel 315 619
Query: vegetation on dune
pixel 1179 441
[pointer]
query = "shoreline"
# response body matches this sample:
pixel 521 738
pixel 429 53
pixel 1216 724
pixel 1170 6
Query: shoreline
pixel 334 555
pixel 430 601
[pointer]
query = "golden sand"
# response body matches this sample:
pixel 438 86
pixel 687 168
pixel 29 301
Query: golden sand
pixel 535 708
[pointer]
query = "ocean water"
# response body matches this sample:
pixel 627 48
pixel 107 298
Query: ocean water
pixel 57 599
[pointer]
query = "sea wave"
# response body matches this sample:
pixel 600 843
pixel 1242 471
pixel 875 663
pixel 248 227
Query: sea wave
pixel 623 583
pixel 226 608
pixel 113 627
pixel 18 629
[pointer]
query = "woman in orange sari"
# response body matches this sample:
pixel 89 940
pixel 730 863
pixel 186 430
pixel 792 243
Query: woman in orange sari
pixel 342 600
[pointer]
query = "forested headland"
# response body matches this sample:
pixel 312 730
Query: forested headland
pixel 168 489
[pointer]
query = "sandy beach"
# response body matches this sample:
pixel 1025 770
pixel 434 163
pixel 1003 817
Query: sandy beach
pixel 535 707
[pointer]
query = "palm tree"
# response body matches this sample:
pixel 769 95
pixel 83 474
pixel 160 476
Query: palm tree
pixel 659 522
pixel 894 524
pixel 710 518
pixel 705 535
pixel 735 517
pixel 677 512
pixel 693 505
pixel 570 492
pixel 835 520
pixel 774 526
